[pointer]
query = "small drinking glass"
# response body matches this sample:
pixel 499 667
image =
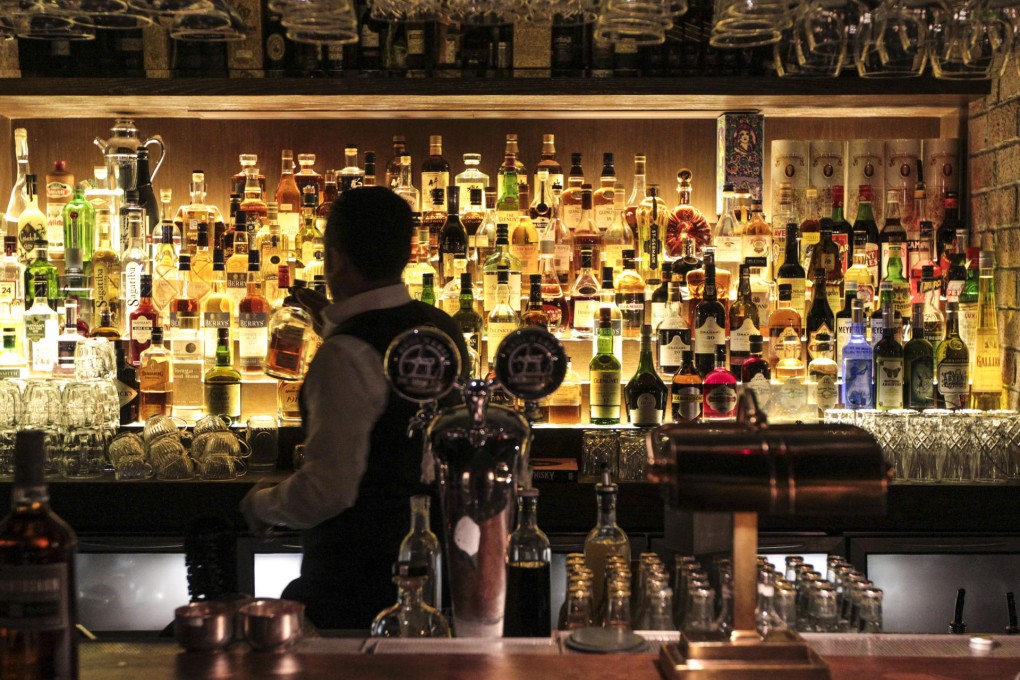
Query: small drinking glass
pixel 221 466
pixel 158 426
pixel 633 455
pixel 83 404
pixel 263 436
pixel 83 452
pixel 600 448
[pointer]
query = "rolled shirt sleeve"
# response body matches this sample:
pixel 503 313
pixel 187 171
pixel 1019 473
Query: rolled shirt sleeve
pixel 345 393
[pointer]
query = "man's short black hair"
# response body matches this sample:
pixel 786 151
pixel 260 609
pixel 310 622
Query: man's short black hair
pixel 374 227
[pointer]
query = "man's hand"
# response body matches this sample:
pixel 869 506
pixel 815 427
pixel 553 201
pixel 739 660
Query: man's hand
pixel 255 525
pixel 313 303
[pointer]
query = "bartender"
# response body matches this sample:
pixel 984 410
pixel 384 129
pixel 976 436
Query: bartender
pixel 350 498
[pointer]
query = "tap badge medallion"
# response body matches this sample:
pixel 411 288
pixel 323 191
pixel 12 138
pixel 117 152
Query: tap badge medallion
pixel 422 364
pixel 530 363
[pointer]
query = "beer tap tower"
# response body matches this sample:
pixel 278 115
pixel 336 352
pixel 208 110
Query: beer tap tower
pixel 478 452
pixel 750 467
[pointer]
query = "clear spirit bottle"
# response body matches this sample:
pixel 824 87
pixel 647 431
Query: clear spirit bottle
pixel 166 274
pixel 31 222
pixel 405 188
pixel 503 319
pixel 606 539
pixel 986 392
pixel 858 365
pixel 502 257
pixel 435 170
pixel 584 299
pixel 351 176
pixel 19 196
pixel 41 332
pixel 822 385
pixel 410 617
pixel 186 348
pixel 470 178
pixel 420 545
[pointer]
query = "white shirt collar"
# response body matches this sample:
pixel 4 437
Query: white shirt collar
pixel 377 298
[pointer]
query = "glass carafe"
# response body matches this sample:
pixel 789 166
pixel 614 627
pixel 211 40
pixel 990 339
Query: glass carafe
pixel 121 153
pixel 410 617
pixel 421 545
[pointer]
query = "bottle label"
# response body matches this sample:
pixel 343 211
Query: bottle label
pixel 762 388
pixel 489 289
pixel 132 285
pixel 216 319
pixel 777 339
pixel 252 338
pixel 415 41
pixel 763 301
pixel 7 289
pixel 740 339
pixel 605 394
pixel 728 249
pixel 686 403
pixel 969 322
pixel 603 216
pixel 237 281
pixel 823 329
pixel 184 320
pixel 563 254
pixel 708 335
pixel 672 343
pixel 614 256
pixel 988 362
pixel 876 330
pixel 496 332
pixel 288 398
pixel 841 241
pixel 435 180
pixel 953 379
pixel 35 327
pixel 866 294
pixel 35 597
pixel 647 411
pixel 658 314
pixel 798 286
pixel 223 399
pixel 953 290
pixel 154 375
pixel 632 309
pixel 824 394
pixel 757 245
pixel 720 400
pixel 287 343
pixel 585 312
pixel 889 387
pixel 571 215
pixel 141 330
pixel 901 299
pixel 844 326
pixel 125 393
pixel 857 383
pixel 527 253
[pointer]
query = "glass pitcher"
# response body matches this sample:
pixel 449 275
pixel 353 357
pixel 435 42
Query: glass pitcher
pixel 120 152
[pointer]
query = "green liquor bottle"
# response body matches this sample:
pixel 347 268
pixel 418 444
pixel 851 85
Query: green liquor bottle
pixel 604 371
pixel 918 364
pixel 952 364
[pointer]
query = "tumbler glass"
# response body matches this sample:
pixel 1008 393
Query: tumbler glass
pixel 263 437
pixel 83 452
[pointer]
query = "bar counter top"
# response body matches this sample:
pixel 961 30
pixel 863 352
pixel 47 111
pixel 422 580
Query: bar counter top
pixel 531 659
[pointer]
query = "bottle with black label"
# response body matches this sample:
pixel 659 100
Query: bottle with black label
pixel 756 373
pixel 37 600
pixel 710 322
pixel 685 390
pixel 674 332
pixel 744 321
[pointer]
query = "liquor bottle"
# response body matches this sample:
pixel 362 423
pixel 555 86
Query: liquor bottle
pixel 918 365
pixel 956 272
pixel 603 198
pixel 472 215
pixel 554 303
pixel 435 170
pixel 784 323
pixel 927 247
pixel 563 407
pixel 320 211
pixel 351 176
pixel 710 321
pixel 166 274
pixel 79 219
pixel 394 164
pixel 934 319
pixel 370 176
pixel 470 323
pixel 503 319
pixel 485 236
pixel 155 378
pixel 410 616
pixel 844 323
pixel 253 206
pixel 876 326
pixel 810 227
pixel 952 364
pixel 288 195
pixel 894 276
pixel 222 382
pixel 674 333
pixel 502 257
pixel 217 309
pixel 470 178
pixel 142 321
pixel 127 385
pixel 248 162
pixel 685 220
pixel 196 212
pixel 756 239
pixel 744 323
pixel 756 374
pixel 652 218
pixel 417 268
pixel 31 227
pixel 969 297
pixel 453 239
pixel 420 545
pixel 405 188
pixel 253 320
pixel 783 214
pixel 822 385
pixel 236 268
pixel 106 327
pixel 428 288
pixel 548 163
pixel 37 637
pixel 310 235
pixel 986 392
pixel 860 273
pixel 534 315
pixel 12 287
pixel 67 341
pixel 842 232
pixel 865 224
pixel 570 200
pixel 660 294
pixel 19 197
pixel 528 559
pixel 541 209
pixel 630 296
pixel 607 298
pixel 640 191
pixel 186 347
pixel 791 272
pixel 584 299
pixel 604 375
pixel 273 246
pixel 892 233
pixel 147 197
pixel 106 273
pixel 41 267
pixel 645 392
pixel 523 189
pixel 449 296
pixel 858 365
pixel 41 332
pixel 289 330
pixel 945 235
pixel 820 318
pixel 605 540
pixel 685 390
pixel 201 271
pixel 826 255
pixel 586 236
pixel 720 389
pixel 889 371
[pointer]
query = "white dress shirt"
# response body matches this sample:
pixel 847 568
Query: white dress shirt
pixel 345 393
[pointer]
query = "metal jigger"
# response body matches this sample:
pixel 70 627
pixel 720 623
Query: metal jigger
pixel 751 467
pixel 478 449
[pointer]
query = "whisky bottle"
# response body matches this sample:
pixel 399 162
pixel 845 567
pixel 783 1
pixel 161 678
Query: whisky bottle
pixel 253 204
pixel 37 635
pixel 820 318
pixel 889 370
pixel 306 176
pixel 248 162
pixel 471 178
pixel 987 389
pixel 548 163
pixel 274 247
pixel 604 375
pixel 217 310
pixel 435 170
pixel 630 296
pixel 503 319
pixel 554 302
pixel 826 255
pixel 710 321
pixel 756 239
pixel 253 320
pixel 155 378
pixel 534 315
pixel 351 176
pixel 584 299
pixel 201 264
pixel 288 195
pixel 603 198
pixel 570 200
pixel 686 390
pixel 918 365
pixel 166 274
pixel 528 565
pixel 744 321
pixel 607 298
pixel 865 225
pixel 370 176
pixel 289 330
pixel 502 257
pixel 417 268
pixel 405 188
pixel 236 268
pixel 106 328
pixel 791 272
pixel 645 392
pixel 67 342
pixel 822 386
pixel 952 365
pixel 222 382
pixel 618 237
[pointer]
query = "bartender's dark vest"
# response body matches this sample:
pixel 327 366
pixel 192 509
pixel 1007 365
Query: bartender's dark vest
pixel 346 571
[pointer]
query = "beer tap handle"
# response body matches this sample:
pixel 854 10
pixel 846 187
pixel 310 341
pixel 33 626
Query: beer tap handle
pixel 532 411
pixel 425 415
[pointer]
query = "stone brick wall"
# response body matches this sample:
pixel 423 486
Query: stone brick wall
pixel 994 172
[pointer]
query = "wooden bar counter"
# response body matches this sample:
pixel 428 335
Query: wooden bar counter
pixel 533 660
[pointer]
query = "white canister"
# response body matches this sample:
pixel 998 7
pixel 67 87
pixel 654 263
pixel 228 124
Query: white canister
pixel 865 165
pixel 827 169
pixel 941 174
pixel 789 165
pixel 901 157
